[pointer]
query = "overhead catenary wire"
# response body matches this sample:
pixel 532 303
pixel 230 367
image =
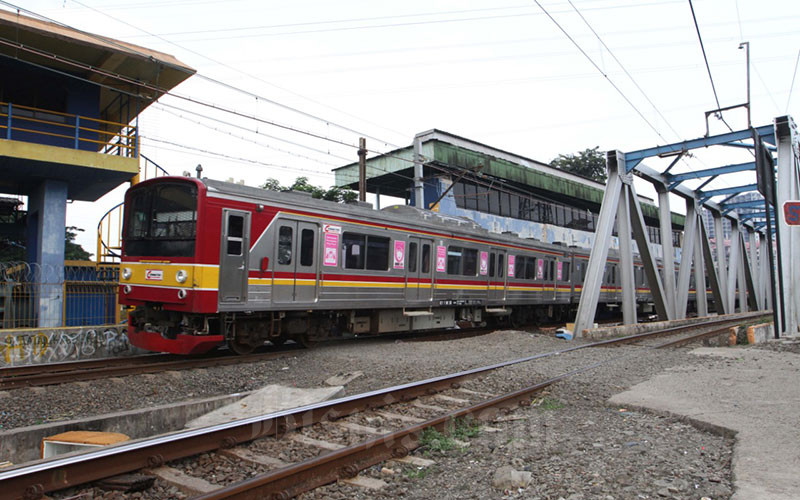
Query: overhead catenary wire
pixel 271 101
pixel 794 75
pixel 588 57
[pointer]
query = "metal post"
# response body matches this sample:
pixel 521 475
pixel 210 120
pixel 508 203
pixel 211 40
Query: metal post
pixel 751 241
pixel 700 270
pixel 722 264
pixel 626 259
pixel 77 131
pixel 8 121
pixel 667 249
pixel 377 197
pixel 419 189
pixel 746 46
pixel 590 293
pixel 687 253
pixel 733 267
pixel 650 269
pixel 763 262
pixel 788 238
pixel 362 169
pixel 713 273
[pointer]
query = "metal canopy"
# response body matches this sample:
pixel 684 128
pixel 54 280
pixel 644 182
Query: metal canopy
pixel 737 278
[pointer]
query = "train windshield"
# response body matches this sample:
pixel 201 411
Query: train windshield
pixel 162 221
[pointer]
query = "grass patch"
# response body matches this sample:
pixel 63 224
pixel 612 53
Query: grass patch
pixel 547 403
pixel 416 472
pixel 460 429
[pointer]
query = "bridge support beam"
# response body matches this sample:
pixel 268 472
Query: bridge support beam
pixel 667 248
pixel 687 256
pixel 788 188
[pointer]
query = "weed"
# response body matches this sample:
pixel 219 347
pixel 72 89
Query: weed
pixel 416 472
pixel 547 403
pixel 456 430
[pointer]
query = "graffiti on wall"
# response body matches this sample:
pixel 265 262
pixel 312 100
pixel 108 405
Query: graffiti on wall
pixel 52 345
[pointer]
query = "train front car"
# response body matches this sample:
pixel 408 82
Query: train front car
pixel 168 268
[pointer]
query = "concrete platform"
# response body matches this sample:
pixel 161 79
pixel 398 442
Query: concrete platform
pixel 270 399
pixel 754 393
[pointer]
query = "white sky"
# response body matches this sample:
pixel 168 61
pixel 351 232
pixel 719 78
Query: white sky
pixel 498 72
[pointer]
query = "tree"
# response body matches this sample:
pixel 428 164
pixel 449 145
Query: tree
pixel 589 163
pixel 14 251
pixel 333 193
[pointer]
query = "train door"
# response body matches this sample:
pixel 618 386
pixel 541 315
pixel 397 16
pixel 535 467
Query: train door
pixel 234 253
pixel 497 275
pixel 419 275
pixel 295 262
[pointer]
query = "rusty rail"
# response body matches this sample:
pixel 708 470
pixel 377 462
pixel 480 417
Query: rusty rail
pixel 31 482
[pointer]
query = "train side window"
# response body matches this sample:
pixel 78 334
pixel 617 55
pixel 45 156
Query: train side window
pixel 519 267
pixel 454 260
pixel 284 245
pixel 377 253
pixel 492 258
pixel 426 258
pixel 470 262
pixel 530 268
pixel 552 276
pixel 500 265
pixel 565 271
pixel 307 247
pixel 354 250
pixel 412 257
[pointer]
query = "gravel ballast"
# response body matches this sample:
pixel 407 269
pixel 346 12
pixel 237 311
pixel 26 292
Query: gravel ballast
pixel 572 442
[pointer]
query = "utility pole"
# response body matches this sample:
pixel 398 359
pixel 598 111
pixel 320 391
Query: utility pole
pixel 362 169
pixel 746 46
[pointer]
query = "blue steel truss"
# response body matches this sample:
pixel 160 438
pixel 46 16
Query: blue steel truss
pixel 633 158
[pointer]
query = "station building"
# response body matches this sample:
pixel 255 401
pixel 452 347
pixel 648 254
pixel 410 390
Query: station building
pixel 501 191
pixel 69 107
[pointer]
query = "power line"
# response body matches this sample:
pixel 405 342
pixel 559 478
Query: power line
pixel 620 92
pixel 794 74
pixel 624 69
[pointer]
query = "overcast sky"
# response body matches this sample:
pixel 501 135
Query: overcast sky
pixel 498 72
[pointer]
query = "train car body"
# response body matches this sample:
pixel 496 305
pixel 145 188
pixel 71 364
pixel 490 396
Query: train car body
pixel 207 263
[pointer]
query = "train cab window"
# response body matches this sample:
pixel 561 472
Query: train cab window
pixel 454 260
pixel 377 253
pixel 354 250
pixel 412 257
pixel 426 258
pixel 470 262
pixel 284 245
pixel 492 258
pixel 307 247
pixel 500 265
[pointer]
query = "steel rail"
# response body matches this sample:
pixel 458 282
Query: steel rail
pixel 693 338
pixel 107 368
pixel 32 481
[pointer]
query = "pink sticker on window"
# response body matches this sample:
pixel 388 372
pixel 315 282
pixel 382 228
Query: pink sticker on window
pixel 539 268
pixel 511 260
pixel 331 255
pixel 484 263
pixel 441 259
pixel 399 254
pixel 558 271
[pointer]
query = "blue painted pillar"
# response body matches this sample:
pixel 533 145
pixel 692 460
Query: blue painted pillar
pixel 47 213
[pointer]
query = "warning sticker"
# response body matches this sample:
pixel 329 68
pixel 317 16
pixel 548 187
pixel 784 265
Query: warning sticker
pixel 331 254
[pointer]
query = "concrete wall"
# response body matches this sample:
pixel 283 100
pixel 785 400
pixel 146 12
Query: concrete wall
pixel 24 443
pixel 51 345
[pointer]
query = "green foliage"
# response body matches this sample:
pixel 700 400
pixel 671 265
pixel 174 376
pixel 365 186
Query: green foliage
pixel 333 193
pixel 456 430
pixel 15 251
pixel 548 404
pixel 589 163
pixel 417 472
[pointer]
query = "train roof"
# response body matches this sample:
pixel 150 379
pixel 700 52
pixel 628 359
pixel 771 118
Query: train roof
pixel 396 214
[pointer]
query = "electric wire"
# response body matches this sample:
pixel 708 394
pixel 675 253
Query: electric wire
pixel 619 91
pixel 624 69
pixel 794 74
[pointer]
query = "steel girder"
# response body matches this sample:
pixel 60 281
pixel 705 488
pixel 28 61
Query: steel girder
pixel 788 189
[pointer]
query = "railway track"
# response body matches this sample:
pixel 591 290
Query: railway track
pixel 411 408
pixel 75 371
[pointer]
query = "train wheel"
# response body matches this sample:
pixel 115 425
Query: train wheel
pixel 305 341
pixel 240 347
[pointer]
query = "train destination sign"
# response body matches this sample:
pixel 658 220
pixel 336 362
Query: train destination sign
pixel 791 213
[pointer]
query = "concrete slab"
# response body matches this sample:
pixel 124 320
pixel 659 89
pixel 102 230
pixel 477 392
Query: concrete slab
pixel 344 378
pixel 270 399
pixel 753 393
pixel 189 485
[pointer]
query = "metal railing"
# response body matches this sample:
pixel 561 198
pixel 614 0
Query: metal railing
pixel 109 229
pixel 41 126
pixel 84 293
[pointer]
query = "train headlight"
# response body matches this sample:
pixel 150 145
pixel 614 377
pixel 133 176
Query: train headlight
pixel 181 294
pixel 181 276
pixel 127 273
pixel 126 289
